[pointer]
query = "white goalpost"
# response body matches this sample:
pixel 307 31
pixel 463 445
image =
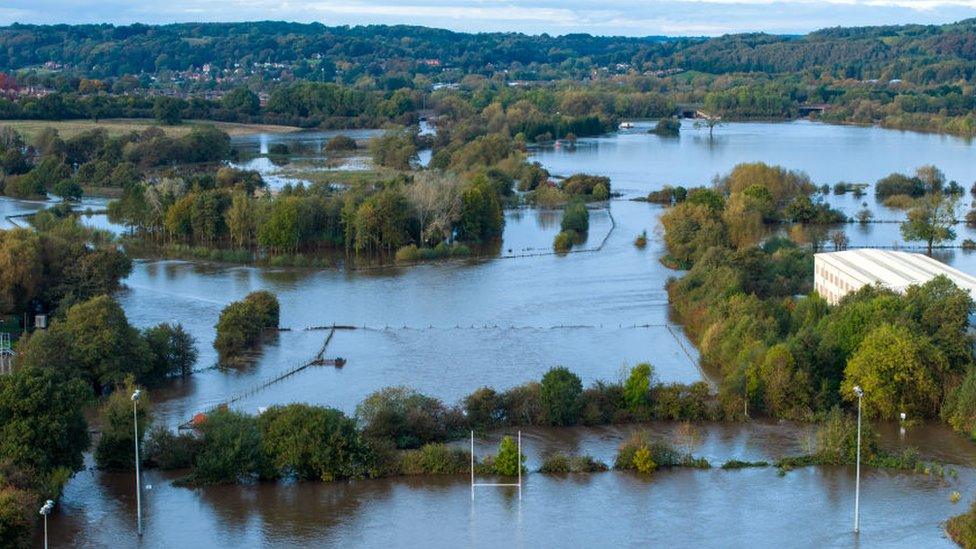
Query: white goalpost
pixel 516 485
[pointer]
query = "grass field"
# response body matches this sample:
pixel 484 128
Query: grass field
pixel 118 126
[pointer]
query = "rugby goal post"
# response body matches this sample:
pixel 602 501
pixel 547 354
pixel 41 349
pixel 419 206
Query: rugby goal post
pixel 515 485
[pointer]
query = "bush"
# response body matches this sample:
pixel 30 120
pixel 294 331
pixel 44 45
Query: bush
pixel 667 127
pixel 435 459
pixel 604 403
pixel 641 240
pixel 899 201
pixel 971 218
pixel 959 409
pixel 173 351
pixel 408 418
pixel 585 185
pixel 736 464
pixel 241 323
pixel 484 408
pixel 167 451
pixel 523 405
pixel 969 244
pixel 637 387
pixel 548 196
pixel 564 241
pixel 281 149
pixel 230 450
pixel 409 252
pixel 563 464
pixel 642 454
pixel 560 395
pixel 898 184
pixel 341 143
pixel 601 192
pixel 311 442
pixel 962 528
pixel 116 449
pixel 17 509
pixel 507 461
pixel 576 217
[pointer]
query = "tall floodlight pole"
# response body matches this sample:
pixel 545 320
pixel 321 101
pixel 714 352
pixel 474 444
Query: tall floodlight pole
pixel 519 461
pixel 135 427
pixel 46 510
pixel 857 482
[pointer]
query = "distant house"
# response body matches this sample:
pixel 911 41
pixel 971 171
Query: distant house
pixel 837 274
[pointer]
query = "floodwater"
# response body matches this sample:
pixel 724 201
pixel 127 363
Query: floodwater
pixel 448 328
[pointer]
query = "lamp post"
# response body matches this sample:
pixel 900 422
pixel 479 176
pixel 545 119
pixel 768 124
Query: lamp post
pixel 46 510
pixel 857 483
pixel 135 426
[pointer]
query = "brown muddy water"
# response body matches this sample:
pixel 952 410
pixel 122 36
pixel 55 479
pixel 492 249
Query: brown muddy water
pixel 449 328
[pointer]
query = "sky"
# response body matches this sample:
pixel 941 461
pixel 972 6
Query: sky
pixel 601 17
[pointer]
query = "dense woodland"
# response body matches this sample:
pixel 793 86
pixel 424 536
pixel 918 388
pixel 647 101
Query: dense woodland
pixel 912 77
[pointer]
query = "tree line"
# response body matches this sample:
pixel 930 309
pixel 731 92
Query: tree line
pixel 796 357
pixel 94 159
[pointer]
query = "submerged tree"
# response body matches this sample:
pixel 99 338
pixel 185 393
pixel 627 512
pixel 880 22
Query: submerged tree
pixel 931 220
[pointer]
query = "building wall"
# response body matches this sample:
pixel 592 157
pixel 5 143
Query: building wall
pixel 832 283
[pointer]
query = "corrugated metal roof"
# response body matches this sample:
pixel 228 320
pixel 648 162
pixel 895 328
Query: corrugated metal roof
pixel 896 270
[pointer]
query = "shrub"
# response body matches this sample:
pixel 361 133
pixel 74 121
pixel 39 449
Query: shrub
pixel 435 459
pixel 583 184
pixel 643 462
pixel 899 201
pixel 641 240
pixel 563 464
pixel 166 450
pixel 962 528
pixel 548 196
pixel 281 149
pixel 116 449
pixel 898 184
pixel 241 323
pixel 601 192
pixel 736 464
pixel 341 143
pixel 637 387
pixel 523 405
pixel 560 394
pixel 409 252
pixel 667 126
pixel 837 440
pixel 640 453
pixel 969 244
pixel 604 403
pixel 230 450
pixel 408 418
pixel 576 217
pixel 507 460
pixel 484 408
pixel 971 218
pixel 311 442
pixel 17 509
pixel 564 241
pixel 959 409
pixel 173 351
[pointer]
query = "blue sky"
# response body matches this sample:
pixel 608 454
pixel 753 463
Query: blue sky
pixel 606 17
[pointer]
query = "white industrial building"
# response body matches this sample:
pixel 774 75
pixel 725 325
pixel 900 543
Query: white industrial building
pixel 837 274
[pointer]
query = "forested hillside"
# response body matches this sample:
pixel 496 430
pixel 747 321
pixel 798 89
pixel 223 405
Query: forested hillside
pixel 918 53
